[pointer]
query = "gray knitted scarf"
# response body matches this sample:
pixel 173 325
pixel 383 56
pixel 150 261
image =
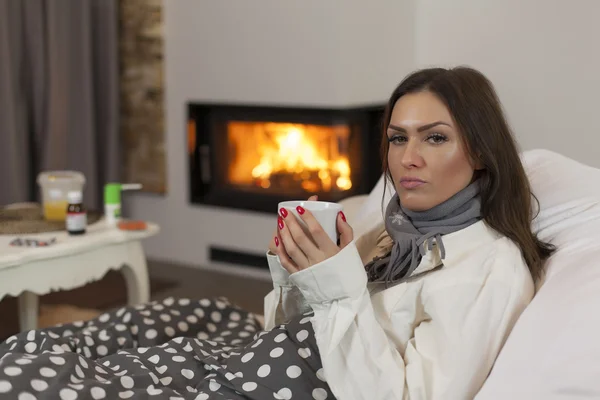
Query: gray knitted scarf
pixel 413 231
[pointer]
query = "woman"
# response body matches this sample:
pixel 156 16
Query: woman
pixel 418 308
pixel 449 273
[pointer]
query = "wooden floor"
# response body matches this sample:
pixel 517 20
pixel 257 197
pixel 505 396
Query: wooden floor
pixel 196 283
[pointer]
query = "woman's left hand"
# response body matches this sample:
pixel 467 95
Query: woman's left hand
pixel 298 249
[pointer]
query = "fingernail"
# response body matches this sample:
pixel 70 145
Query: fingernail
pixel 343 216
pixel 280 222
pixel 276 241
pixel 283 212
pixel 300 210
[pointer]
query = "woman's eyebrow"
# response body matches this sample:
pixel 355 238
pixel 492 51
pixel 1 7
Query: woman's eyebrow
pixel 421 128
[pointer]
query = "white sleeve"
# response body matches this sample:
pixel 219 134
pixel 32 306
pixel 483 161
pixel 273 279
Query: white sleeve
pixel 285 300
pixel 449 357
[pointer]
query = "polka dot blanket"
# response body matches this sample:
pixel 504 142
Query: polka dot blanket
pixel 175 349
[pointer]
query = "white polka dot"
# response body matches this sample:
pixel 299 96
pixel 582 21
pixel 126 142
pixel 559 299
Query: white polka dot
pixel 184 302
pixel 305 320
pixel 178 340
pixel 100 369
pixel 30 347
pixel 302 335
pixel 179 359
pixel 57 360
pixel 247 357
pixel 244 334
pixel 154 359
pixel 103 335
pixel 189 374
pixel 83 363
pixel 23 361
pixel 214 385
pixel 98 393
pixel 5 386
pixel 192 319
pixel 257 343
pixel 154 378
pixel 249 386
pixel 14 371
pixel 211 327
pixel 293 371
pixel 321 375
pixel 182 326
pixel 202 396
pixel 276 352
pixel 127 317
pixel 283 394
pixel 102 350
pixel 134 329
pixel 158 307
pixel 68 394
pixel 57 349
pixel 121 341
pixel 162 370
pixel 126 394
pixel 304 353
pixel 104 318
pixel 26 396
pixel 232 325
pixel 79 371
pixel 67 333
pixel 87 352
pixel 170 350
pixel 120 327
pixel 153 391
pixel 169 301
pixel 188 348
pixel 319 394
pixel 148 321
pixel 151 333
pixel 220 305
pixel 127 382
pixel 216 316
pixel 235 316
pixel 263 371
pixel 39 385
pixel 165 317
pixel 76 387
pixel 199 312
pixel 280 338
pixel 202 335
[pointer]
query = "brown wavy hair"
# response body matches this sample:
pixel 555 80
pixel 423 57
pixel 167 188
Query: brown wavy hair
pixel 507 203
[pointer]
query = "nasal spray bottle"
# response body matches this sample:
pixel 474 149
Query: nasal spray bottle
pixel 112 200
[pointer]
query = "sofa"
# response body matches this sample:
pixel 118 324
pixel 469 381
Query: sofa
pixel 553 351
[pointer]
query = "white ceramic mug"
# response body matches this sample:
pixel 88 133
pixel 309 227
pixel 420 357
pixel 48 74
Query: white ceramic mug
pixel 324 212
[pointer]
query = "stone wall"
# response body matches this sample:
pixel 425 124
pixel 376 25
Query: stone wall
pixel 142 93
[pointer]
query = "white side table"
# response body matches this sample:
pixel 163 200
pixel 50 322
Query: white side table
pixel 71 262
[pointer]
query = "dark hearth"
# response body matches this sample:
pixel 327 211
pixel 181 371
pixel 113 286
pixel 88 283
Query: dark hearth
pixel 252 157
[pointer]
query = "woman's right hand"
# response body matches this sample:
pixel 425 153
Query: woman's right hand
pixel 276 241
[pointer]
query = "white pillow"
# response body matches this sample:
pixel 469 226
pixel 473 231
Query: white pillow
pixel 553 352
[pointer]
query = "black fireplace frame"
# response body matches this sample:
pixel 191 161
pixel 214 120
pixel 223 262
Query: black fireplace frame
pixel 207 137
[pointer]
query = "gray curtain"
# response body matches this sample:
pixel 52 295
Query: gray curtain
pixel 58 94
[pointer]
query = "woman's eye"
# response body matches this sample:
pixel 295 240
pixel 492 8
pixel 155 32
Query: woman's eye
pixel 397 139
pixel 437 138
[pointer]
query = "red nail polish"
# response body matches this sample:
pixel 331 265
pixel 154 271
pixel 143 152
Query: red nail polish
pixel 283 212
pixel 343 216
pixel 276 241
pixel 300 210
pixel 280 222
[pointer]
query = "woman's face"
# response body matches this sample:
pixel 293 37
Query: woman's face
pixel 427 159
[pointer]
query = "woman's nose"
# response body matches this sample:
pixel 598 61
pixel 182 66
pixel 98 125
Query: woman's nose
pixel 411 157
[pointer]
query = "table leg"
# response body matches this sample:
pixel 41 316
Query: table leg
pixel 135 272
pixel 28 311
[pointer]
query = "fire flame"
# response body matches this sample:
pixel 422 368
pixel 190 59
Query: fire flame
pixel 309 153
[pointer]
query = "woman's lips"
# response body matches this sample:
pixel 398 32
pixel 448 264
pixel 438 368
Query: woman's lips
pixel 411 183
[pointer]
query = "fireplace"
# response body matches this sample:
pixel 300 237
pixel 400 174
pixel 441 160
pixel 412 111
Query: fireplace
pixel 252 157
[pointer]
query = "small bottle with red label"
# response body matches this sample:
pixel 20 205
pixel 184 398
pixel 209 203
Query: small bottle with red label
pixel 76 220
